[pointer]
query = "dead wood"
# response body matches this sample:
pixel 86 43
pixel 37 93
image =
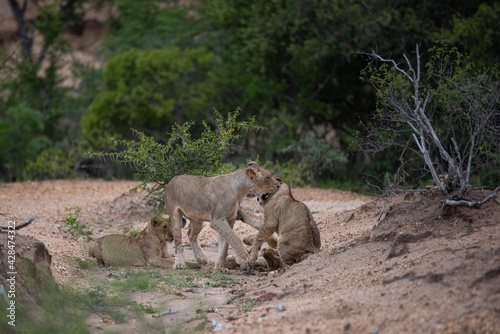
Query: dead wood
pixel 18 227
pixel 469 202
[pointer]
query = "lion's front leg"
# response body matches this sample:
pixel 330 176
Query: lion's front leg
pixel 225 231
pixel 177 234
pixel 155 260
pixel 264 234
pixel 250 218
pixel 164 250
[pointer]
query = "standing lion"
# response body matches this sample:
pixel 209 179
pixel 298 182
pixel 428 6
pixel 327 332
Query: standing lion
pixel 215 199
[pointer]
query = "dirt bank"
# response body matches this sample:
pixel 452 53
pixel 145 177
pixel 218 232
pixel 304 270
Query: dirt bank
pixel 422 270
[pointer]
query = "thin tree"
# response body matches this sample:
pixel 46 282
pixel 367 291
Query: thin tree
pixel 448 115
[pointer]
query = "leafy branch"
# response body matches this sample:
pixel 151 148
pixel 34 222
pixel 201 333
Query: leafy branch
pixel 156 163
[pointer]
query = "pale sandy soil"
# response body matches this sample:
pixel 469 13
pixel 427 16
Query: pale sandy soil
pixel 423 270
pixel 109 208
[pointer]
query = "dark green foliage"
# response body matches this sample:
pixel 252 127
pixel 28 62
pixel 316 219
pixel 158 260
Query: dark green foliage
pixel 149 91
pixel 33 104
pixel 320 157
pixel 149 25
pixel 17 123
pixel 292 65
pixel 479 33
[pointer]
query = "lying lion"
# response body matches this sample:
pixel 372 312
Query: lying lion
pixel 215 199
pixel 149 248
pixel 292 220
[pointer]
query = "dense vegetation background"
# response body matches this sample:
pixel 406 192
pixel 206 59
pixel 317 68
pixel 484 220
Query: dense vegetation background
pixel 294 65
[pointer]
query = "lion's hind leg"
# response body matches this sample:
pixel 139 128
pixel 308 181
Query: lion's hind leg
pixel 272 258
pixel 177 234
pixel 195 228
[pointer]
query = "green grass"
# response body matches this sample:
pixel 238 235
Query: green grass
pixel 171 282
pixel 233 298
pixel 248 305
pixel 62 310
pixel 59 309
pixel 141 308
pixel 221 280
pixel 135 232
pixel 137 280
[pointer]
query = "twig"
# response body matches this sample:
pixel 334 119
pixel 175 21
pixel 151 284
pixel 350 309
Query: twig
pixel 470 203
pixel 382 211
pixel 381 327
pixel 401 160
pixel 20 226
pixel 156 315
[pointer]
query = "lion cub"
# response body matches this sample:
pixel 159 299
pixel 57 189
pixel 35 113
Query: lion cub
pixel 149 248
pixel 292 220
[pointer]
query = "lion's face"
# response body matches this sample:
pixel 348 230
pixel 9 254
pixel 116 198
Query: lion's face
pixel 282 188
pixel 162 227
pixel 263 182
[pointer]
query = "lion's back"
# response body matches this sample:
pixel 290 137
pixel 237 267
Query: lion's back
pixel 119 250
pixel 298 232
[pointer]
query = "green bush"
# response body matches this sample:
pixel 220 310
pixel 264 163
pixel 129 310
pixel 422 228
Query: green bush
pixel 295 174
pixel 53 163
pixel 320 158
pixel 156 163
pixel 73 223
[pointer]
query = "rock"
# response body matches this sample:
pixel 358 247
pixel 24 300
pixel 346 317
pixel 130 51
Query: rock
pixel 25 259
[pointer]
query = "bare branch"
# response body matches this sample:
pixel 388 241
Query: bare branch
pixel 396 65
pixel 418 62
pixel 26 40
pixel 471 203
pixel 20 226
pixel 382 211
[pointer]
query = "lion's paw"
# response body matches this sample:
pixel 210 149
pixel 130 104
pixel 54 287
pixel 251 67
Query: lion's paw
pixel 202 260
pixel 244 264
pixel 179 266
pixel 220 268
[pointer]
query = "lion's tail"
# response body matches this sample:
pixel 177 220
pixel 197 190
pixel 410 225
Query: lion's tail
pixel 315 230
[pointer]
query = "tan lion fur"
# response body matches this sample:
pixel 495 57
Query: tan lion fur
pixel 269 254
pixel 149 248
pixel 215 199
pixel 292 220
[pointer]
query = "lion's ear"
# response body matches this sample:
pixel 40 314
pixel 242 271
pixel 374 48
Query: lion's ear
pixel 252 174
pixel 156 221
pixel 279 179
pixel 252 163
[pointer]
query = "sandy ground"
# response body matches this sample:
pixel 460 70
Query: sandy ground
pixel 422 270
